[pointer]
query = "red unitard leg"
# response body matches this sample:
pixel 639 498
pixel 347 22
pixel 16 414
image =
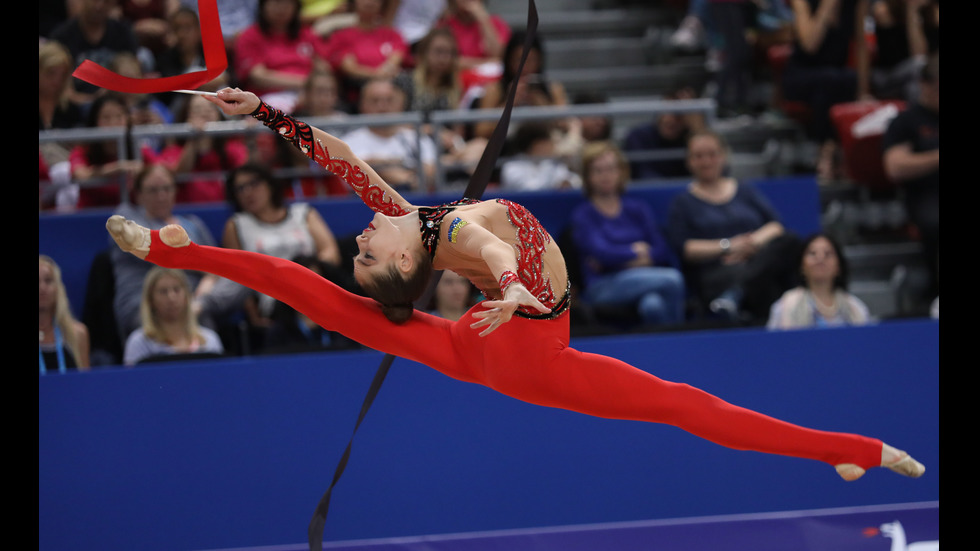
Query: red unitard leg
pixel 425 339
pixel 530 360
pixel 526 359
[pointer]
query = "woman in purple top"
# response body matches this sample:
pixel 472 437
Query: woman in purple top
pixel 625 259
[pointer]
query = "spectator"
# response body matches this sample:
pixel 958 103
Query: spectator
pixel 453 296
pixel 262 223
pixel 911 158
pixel 534 89
pixel 669 131
pixel 148 19
pixel 92 34
pixel 236 17
pixel 63 341
pixel 369 49
pixel 434 84
pixel 275 55
pixel 55 105
pixel 184 52
pixel 536 166
pixel 169 326
pixel 394 151
pixel 819 71
pixel 143 108
pixel 201 153
pixel 93 163
pixel 625 260
pixel 821 299
pixel 155 194
pixel 906 33
pixel 480 36
pixel 413 19
pixel 736 254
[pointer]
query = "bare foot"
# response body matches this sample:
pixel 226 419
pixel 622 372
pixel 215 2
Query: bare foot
pixel 135 239
pixel 892 458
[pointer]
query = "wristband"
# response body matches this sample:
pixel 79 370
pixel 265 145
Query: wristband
pixel 507 279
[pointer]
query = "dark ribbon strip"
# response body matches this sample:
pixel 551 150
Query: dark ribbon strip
pixel 474 190
pixel 215 61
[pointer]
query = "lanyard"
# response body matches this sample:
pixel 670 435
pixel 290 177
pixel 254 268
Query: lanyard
pixel 59 350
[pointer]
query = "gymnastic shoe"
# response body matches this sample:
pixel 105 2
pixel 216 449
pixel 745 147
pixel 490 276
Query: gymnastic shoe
pixel 891 458
pixel 135 239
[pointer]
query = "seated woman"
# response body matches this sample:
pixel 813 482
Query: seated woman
pixel 275 55
pixel 626 261
pixel 264 223
pixel 368 49
pixel 821 300
pixel 63 341
pixel 737 255
pixel 516 342
pixel 169 325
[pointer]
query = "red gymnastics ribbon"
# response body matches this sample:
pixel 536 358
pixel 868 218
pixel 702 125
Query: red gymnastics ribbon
pixel 215 61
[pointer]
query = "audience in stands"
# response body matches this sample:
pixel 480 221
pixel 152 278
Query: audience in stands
pixel 535 164
pixel 155 195
pixel 274 55
pixel 911 158
pixel 821 299
pixel 169 325
pixel 906 33
pixel 534 88
pixel 264 223
pixel 625 260
pixel 63 341
pixel 434 84
pixel 647 143
pixel 394 151
pixel 99 167
pixel 829 34
pixel 413 19
pixel 202 157
pixel 56 107
pixel 184 52
pixel 366 50
pixel 93 34
pixel 480 36
pixel 737 256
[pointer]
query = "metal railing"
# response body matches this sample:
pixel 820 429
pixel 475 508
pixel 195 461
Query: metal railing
pixel 128 140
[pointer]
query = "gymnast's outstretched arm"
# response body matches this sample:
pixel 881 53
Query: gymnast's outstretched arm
pixel 326 150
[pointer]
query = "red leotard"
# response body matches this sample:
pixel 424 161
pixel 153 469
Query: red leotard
pixel 527 359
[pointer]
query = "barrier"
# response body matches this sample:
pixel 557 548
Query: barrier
pixel 235 452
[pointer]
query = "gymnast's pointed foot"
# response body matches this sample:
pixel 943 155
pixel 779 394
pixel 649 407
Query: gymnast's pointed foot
pixel 892 458
pixel 135 239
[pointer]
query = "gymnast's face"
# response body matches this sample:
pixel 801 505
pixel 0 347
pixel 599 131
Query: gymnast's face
pixel 382 245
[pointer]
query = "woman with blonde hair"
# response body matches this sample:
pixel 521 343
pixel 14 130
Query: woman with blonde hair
pixel 169 323
pixel 55 108
pixel 63 341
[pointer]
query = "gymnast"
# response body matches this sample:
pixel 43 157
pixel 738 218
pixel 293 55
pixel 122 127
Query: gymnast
pixel 515 342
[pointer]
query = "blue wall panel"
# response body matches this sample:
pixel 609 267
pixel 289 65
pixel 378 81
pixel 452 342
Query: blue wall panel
pixel 237 452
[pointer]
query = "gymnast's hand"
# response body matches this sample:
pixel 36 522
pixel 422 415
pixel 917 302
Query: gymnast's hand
pixel 499 312
pixel 234 101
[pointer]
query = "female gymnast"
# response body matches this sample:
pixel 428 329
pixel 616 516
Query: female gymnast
pixel 504 251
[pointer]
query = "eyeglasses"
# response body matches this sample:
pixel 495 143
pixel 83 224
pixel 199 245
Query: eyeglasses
pixel 248 184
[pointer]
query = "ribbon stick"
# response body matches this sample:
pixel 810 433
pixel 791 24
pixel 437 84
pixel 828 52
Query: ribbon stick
pixel 215 61
pixel 474 190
